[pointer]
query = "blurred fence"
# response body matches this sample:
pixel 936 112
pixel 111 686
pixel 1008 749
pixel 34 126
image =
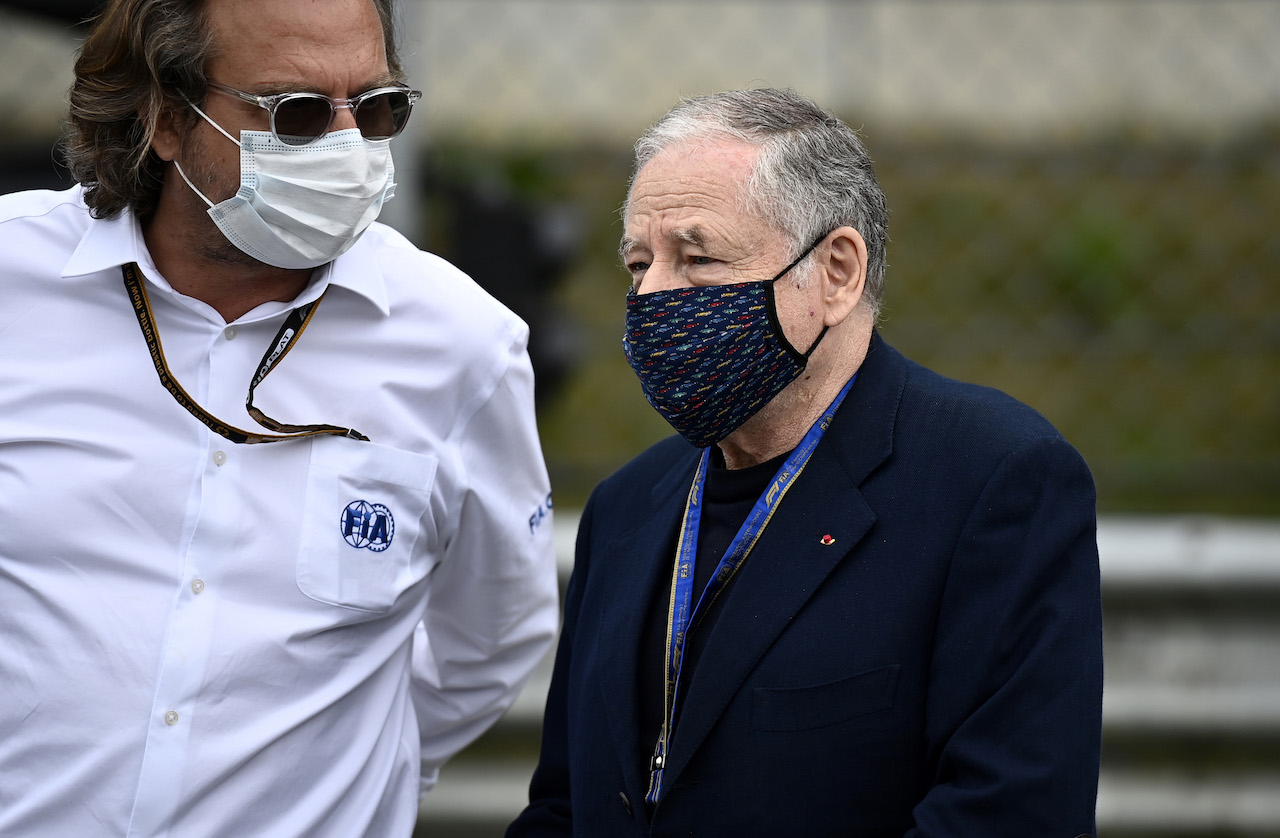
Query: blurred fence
pixel 1083 201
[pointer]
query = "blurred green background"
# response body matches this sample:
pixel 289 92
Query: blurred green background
pixel 1126 288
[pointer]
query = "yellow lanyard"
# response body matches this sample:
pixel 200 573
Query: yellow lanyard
pixel 280 346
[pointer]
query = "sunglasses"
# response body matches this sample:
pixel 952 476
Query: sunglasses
pixel 301 118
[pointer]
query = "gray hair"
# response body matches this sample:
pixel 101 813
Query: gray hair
pixel 812 173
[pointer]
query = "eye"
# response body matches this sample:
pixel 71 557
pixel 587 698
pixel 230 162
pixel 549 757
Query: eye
pixel 637 267
pixel 702 260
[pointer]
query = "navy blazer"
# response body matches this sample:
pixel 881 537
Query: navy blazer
pixel 935 671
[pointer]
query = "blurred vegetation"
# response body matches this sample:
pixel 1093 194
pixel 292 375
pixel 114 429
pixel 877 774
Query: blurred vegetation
pixel 1125 288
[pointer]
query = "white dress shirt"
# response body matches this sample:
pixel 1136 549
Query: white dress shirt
pixel 199 638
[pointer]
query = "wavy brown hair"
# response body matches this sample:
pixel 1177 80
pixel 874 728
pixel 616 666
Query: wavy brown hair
pixel 140 57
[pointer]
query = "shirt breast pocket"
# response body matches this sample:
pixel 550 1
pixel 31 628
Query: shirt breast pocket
pixel 365 519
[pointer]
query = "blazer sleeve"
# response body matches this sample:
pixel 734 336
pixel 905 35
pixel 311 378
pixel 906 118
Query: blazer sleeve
pixel 1015 695
pixel 550 813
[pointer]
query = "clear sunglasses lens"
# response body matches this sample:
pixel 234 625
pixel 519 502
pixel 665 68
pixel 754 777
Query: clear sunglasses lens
pixel 301 119
pixel 383 116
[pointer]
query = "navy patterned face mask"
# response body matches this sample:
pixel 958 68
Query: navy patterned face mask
pixel 708 358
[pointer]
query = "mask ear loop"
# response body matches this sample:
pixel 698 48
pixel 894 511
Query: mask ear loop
pixel 183 174
pixel 222 131
pixel 772 307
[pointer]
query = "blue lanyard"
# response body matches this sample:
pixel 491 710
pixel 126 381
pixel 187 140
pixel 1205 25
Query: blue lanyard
pixel 682 614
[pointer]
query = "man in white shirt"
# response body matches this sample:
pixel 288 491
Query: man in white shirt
pixel 274 530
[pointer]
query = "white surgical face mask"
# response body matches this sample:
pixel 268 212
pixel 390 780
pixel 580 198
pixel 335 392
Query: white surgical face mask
pixel 302 206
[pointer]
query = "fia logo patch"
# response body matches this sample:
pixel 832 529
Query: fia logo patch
pixel 540 514
pixel 367 525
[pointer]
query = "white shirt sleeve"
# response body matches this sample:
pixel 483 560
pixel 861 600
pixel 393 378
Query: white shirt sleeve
pixel 492 609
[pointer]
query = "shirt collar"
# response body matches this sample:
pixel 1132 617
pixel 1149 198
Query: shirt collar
pixel 112 242
pixel 359 270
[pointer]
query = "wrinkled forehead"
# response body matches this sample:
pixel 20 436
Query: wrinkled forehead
pixel 692 178
pixel 299 43
pixel 726 159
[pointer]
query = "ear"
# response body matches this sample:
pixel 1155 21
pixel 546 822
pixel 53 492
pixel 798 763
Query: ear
pixel 844 274
pixel 166 139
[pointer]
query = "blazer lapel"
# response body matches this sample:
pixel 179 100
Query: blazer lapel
pixel 786 567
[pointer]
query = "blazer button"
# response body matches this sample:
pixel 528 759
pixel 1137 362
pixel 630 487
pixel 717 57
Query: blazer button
pixel 626 803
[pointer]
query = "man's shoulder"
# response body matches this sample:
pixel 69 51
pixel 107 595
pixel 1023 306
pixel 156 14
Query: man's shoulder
pixel 942 412
pixel 926 383
pixel 403 263
pixel 671 450
pixel 669 457
pixel 39 230
pixel 418 276
pixel 41 203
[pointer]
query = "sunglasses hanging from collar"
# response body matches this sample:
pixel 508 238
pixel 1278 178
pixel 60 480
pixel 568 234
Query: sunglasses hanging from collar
pixel 285 338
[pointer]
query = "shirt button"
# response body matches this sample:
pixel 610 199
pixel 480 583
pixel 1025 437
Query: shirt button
pixel 219 457
pixel 197 586
pixel 171 718
pixel 230 332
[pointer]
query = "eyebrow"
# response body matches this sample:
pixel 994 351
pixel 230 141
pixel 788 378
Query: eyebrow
pixel 689 235
pixel 275 89
pixel 626 244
